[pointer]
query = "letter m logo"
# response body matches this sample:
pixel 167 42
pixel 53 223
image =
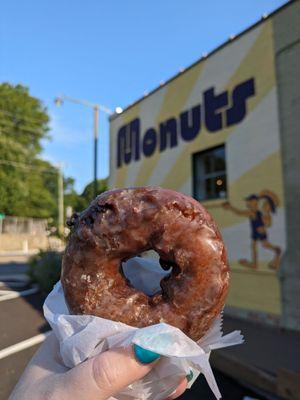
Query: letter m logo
pixel 128 143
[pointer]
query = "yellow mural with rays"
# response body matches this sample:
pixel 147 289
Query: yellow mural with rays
pixel 250 289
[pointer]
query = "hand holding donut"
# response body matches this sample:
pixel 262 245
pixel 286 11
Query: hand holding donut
pixel 98 378
pixel 118 225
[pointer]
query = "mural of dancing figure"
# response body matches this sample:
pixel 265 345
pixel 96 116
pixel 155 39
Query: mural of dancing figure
pixel 259 211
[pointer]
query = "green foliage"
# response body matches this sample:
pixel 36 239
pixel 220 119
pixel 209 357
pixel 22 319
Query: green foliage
pixel 45 268
pixel 24 191
pixel 82 201
pixel 88 193
pixel 23 118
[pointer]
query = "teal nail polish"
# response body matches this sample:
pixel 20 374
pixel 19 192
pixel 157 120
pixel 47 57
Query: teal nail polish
pixel 190 376
pixel 144 356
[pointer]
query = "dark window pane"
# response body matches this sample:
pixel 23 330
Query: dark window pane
pixel 209 169
pixel 209 188
pixel 198 193
pixel 218 157
pixel 207 161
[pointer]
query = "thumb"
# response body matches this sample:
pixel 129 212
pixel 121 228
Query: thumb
pixel 106 374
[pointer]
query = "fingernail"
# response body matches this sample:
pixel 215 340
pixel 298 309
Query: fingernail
pixel 190 376
pixel 144 356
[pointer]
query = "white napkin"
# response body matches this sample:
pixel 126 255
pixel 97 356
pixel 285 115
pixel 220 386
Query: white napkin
pixel 83 336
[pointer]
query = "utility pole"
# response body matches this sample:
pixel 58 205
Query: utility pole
pixel 60 185
pixel 96 107
pixel 96 127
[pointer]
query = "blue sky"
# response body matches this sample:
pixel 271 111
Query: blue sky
pixel 109 52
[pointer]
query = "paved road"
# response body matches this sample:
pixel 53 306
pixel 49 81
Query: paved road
pixel 21 319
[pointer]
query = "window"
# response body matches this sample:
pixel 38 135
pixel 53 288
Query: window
pixel 209 174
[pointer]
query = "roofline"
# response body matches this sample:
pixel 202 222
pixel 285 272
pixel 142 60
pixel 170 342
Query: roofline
pixel 205 57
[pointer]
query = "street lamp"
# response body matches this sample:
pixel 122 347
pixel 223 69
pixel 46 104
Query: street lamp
pixel 118 110
pixel 96 108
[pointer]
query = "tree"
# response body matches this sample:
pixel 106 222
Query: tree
pixel 71 197
pixel 88 192
pixel 28 185
pixel 23 118
pixel 82 201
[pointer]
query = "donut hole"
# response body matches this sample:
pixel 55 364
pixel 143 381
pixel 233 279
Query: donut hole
pixel 147 272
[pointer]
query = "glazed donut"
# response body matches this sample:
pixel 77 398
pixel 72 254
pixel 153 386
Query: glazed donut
pixel 121 224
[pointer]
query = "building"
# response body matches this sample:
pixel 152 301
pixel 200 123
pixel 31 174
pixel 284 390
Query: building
pixel 226 131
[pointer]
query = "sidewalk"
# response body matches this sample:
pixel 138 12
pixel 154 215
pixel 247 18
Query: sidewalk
pixel 269 359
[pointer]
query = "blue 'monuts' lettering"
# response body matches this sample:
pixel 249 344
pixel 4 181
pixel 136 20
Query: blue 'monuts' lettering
pixel 149 142
pixel 218 112
pixel 237 112
pixel 129 143
pixel 190 123
pixel 213 105
pixel 168 134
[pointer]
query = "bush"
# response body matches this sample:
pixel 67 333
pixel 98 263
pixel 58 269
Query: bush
pixel 45 268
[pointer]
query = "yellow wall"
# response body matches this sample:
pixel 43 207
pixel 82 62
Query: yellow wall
pixel 252 150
